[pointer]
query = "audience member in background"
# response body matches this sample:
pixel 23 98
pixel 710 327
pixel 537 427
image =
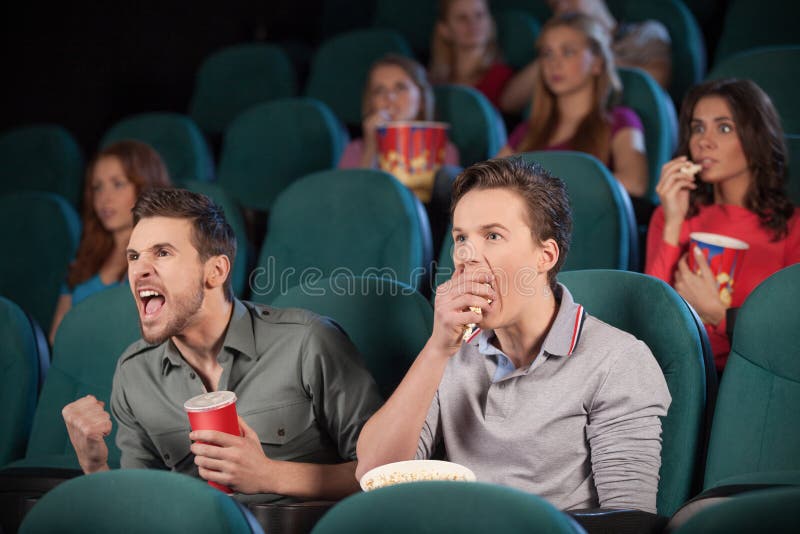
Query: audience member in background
pixel 114 179
pixel 542 397
pixel 465 51
pixel 302 391
pixel 646 45
pixel 397 90
pixel 573 99
pixel 731 129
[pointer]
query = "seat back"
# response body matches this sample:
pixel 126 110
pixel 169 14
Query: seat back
pixel 19 360
pixel 88 344
pixel 233 214
pixel 340 67
pixel 642 94
pixel 688 47
pixel 445 506
pixel 236 78
pixel 754 23
pixel 387 320
pixel 42 157
pixel 416 29
pixel 137 500
pixel 40 233
pixel 775 70
pixel 774 510
pixel 754 427
pixel 793 148
pixel 604 231
pixel 378 231
pixel 175 137
pixel 630 301
pixel 476 128
pixel 270 145
pixel 517 31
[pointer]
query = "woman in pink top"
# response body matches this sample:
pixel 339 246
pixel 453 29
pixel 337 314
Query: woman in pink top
pixel 397 90
pixel 732 131
pixel 573 97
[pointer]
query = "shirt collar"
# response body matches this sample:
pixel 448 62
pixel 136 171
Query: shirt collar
pixel 563 336
pixel 238 337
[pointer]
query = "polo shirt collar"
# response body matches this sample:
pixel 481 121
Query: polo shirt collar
pixel 238 337
pixel 563 336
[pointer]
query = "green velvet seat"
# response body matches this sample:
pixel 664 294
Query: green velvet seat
pixel 175 137
pixel 88 344
pixel 776 511
pixel 236 78
pixel 356 222
pixel 438 506
pixel 137 501
pixel 388 321
pixel 41 157
pixel 23 365
pixel 39 237
pixel 754 23
pixel 654 107
pixel 604 230
pixel 476 128
pixel 270 145
pixel 755 434
pixel 233 214
pixel 776 70
pixel 653 312
pixel 416 29
pixel 517 31
pixel 341 64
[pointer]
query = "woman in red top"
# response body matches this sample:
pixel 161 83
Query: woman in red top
pixel 464 49
pixel 731 129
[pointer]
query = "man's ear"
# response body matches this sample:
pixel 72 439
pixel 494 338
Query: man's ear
pixel 218 269
pixel 549 256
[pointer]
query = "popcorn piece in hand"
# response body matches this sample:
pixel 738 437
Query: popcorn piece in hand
pixel 472 328
pixel 691 168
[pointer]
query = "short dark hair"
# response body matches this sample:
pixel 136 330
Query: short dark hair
pixel 545 196
pixel 211 233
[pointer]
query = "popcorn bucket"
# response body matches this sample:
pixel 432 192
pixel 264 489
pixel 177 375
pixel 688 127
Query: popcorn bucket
pixel 413 151
pixel 214 411
pixel 724 255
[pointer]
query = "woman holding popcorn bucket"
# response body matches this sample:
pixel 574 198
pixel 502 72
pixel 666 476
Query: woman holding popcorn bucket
pixel 725 222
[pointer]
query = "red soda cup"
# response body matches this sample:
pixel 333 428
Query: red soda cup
pixel 214 411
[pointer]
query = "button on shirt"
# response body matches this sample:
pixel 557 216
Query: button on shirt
pixel 580 426
pixel 300 385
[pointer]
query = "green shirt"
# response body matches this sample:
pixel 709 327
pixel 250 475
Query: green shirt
pixel 300 383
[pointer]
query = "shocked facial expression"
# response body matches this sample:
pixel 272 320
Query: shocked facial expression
pixel 568 64
pixel 113 195
pixel 492 234
pixel 714 142
pixel 393 92
pixel 166 276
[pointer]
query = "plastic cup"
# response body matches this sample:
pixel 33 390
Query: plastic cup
pixel 724 255
pixel 413 151
pixel 214 411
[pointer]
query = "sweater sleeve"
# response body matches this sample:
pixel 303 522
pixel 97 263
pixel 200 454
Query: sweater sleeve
pixel 792 254
pixel 662 258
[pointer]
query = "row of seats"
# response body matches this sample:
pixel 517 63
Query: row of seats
pixel 749 441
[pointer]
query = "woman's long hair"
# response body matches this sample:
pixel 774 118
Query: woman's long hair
pixel 443 54
pixel 593 135
pixel 761 136
pixel 415 72
pixel 144 168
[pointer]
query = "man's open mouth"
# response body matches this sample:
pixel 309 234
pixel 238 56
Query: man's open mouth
pixel 152 301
